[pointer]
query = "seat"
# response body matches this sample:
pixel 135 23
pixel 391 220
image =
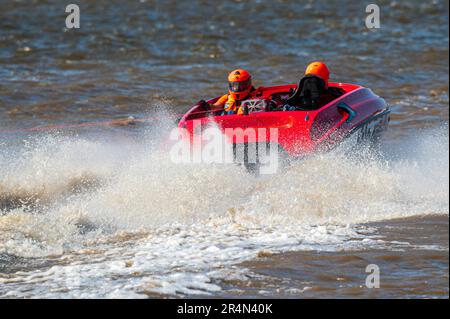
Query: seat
pixel 308 93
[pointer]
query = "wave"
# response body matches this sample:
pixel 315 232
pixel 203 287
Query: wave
pixel 164 225
pixel 130 187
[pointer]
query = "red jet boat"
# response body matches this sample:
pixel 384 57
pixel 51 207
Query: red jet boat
pixel 349 110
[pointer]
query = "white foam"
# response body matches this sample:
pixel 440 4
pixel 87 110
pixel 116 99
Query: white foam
pixel 156 227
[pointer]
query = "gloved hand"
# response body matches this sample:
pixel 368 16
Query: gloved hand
pixel 288 107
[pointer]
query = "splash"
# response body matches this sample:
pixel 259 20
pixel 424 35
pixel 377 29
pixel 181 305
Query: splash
pixel 129 211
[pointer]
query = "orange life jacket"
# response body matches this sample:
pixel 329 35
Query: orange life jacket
pixel 230 104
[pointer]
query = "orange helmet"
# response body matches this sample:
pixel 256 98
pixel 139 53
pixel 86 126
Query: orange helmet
pixel 319 69
pixel 239 84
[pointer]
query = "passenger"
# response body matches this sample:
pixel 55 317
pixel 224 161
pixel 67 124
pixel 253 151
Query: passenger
pixel 312 88
pixel 239 89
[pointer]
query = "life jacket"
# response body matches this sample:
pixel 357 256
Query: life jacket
pixel 230 104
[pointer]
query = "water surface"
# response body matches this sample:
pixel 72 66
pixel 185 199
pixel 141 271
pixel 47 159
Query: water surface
pixel 100 211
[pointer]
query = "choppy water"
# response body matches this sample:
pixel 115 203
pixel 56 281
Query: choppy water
pixel 103 212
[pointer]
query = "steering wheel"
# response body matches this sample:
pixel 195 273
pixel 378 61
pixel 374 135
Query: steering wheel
pixel 255 106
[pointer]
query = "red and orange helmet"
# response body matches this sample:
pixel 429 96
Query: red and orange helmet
pixel 239 84
pixel 320 70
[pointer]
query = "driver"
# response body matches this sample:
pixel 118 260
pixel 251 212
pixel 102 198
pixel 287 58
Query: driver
pixel 239 89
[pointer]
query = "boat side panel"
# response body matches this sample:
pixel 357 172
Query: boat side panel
pixel 366 106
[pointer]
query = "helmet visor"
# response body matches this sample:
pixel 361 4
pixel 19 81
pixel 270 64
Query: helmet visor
pixel 239 86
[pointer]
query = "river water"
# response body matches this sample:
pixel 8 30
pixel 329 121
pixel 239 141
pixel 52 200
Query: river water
pixel 100 211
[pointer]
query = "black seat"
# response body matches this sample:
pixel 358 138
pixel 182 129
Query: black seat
pixel 308 92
